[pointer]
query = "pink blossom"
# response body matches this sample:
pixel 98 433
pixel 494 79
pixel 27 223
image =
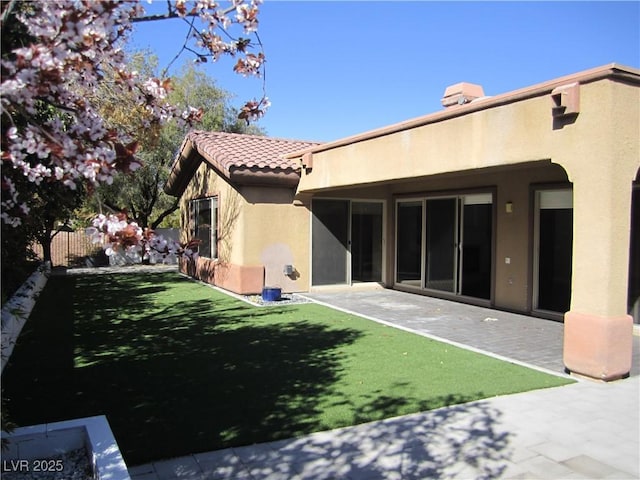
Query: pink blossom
pixel 117 234
pixel 73 42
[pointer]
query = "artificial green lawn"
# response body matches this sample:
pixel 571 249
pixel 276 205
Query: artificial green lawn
pixel 179 368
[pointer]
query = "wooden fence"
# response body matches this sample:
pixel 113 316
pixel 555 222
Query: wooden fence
pixel 74 249
pixel 70 249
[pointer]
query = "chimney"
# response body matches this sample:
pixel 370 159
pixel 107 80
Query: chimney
pixel 461 93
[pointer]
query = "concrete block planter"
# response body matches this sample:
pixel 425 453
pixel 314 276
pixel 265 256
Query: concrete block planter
pixel 16 311
pixel 32 450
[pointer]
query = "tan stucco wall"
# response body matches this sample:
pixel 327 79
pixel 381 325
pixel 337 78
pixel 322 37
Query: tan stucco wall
pixel 206 183
pixel 599 149
pixel 602 158
pixel 277 234
pixel 260 230
pixel 502 135
pixel 479 140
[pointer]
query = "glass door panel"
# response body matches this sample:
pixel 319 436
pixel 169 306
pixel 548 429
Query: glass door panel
pixel 409 243
pixel 329 242
pixel 366 242
pixel 476 239
pixel 442 246
pixel 554 221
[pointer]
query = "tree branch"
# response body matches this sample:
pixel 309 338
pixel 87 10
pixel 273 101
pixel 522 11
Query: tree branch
pixel 160 16
pixel 111 206
pixel 184 47
pixel 165 214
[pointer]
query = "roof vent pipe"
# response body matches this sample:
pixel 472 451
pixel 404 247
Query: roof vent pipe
pixel 461 93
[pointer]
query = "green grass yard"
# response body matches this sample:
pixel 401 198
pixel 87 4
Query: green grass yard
pixel 179 368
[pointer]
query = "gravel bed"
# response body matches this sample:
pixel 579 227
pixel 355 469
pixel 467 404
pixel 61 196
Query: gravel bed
pixel 285 299
pixel 73 465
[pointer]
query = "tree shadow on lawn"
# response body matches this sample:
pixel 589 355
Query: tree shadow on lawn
pixel 250 384
pixel 180 377
pixel 186 377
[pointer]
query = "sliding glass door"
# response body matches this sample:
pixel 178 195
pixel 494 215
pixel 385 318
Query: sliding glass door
pixel 366 242
pixel 346 242
pixel 477 246
pixel 446 244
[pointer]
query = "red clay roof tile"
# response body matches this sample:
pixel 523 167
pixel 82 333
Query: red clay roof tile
pixel 241 158
pixel 233 150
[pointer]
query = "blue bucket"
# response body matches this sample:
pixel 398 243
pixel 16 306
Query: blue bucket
pixel 271 294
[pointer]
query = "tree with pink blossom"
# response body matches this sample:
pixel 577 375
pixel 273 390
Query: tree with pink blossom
pixel 55 54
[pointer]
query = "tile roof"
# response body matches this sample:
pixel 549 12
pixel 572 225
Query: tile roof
pixel 234 150
pixel 241 158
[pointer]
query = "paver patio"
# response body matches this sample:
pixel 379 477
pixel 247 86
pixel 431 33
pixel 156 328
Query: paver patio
pixel 534 341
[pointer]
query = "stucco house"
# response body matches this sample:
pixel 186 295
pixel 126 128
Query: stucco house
pixel 521 201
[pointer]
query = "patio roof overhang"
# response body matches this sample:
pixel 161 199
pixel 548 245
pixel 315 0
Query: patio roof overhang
pixel 612 70
pixel 506 129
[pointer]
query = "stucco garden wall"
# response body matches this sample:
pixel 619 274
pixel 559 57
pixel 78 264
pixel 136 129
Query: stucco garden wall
pixel 16 311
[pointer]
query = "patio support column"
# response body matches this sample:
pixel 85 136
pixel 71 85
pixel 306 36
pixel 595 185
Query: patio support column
pixel 598 333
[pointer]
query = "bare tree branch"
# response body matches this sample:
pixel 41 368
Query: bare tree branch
pixel 165 214
pixel 184 47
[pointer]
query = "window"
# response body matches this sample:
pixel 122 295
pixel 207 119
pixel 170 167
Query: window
pixel 204 214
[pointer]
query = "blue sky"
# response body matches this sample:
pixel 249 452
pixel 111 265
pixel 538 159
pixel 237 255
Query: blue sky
pixel 335 69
